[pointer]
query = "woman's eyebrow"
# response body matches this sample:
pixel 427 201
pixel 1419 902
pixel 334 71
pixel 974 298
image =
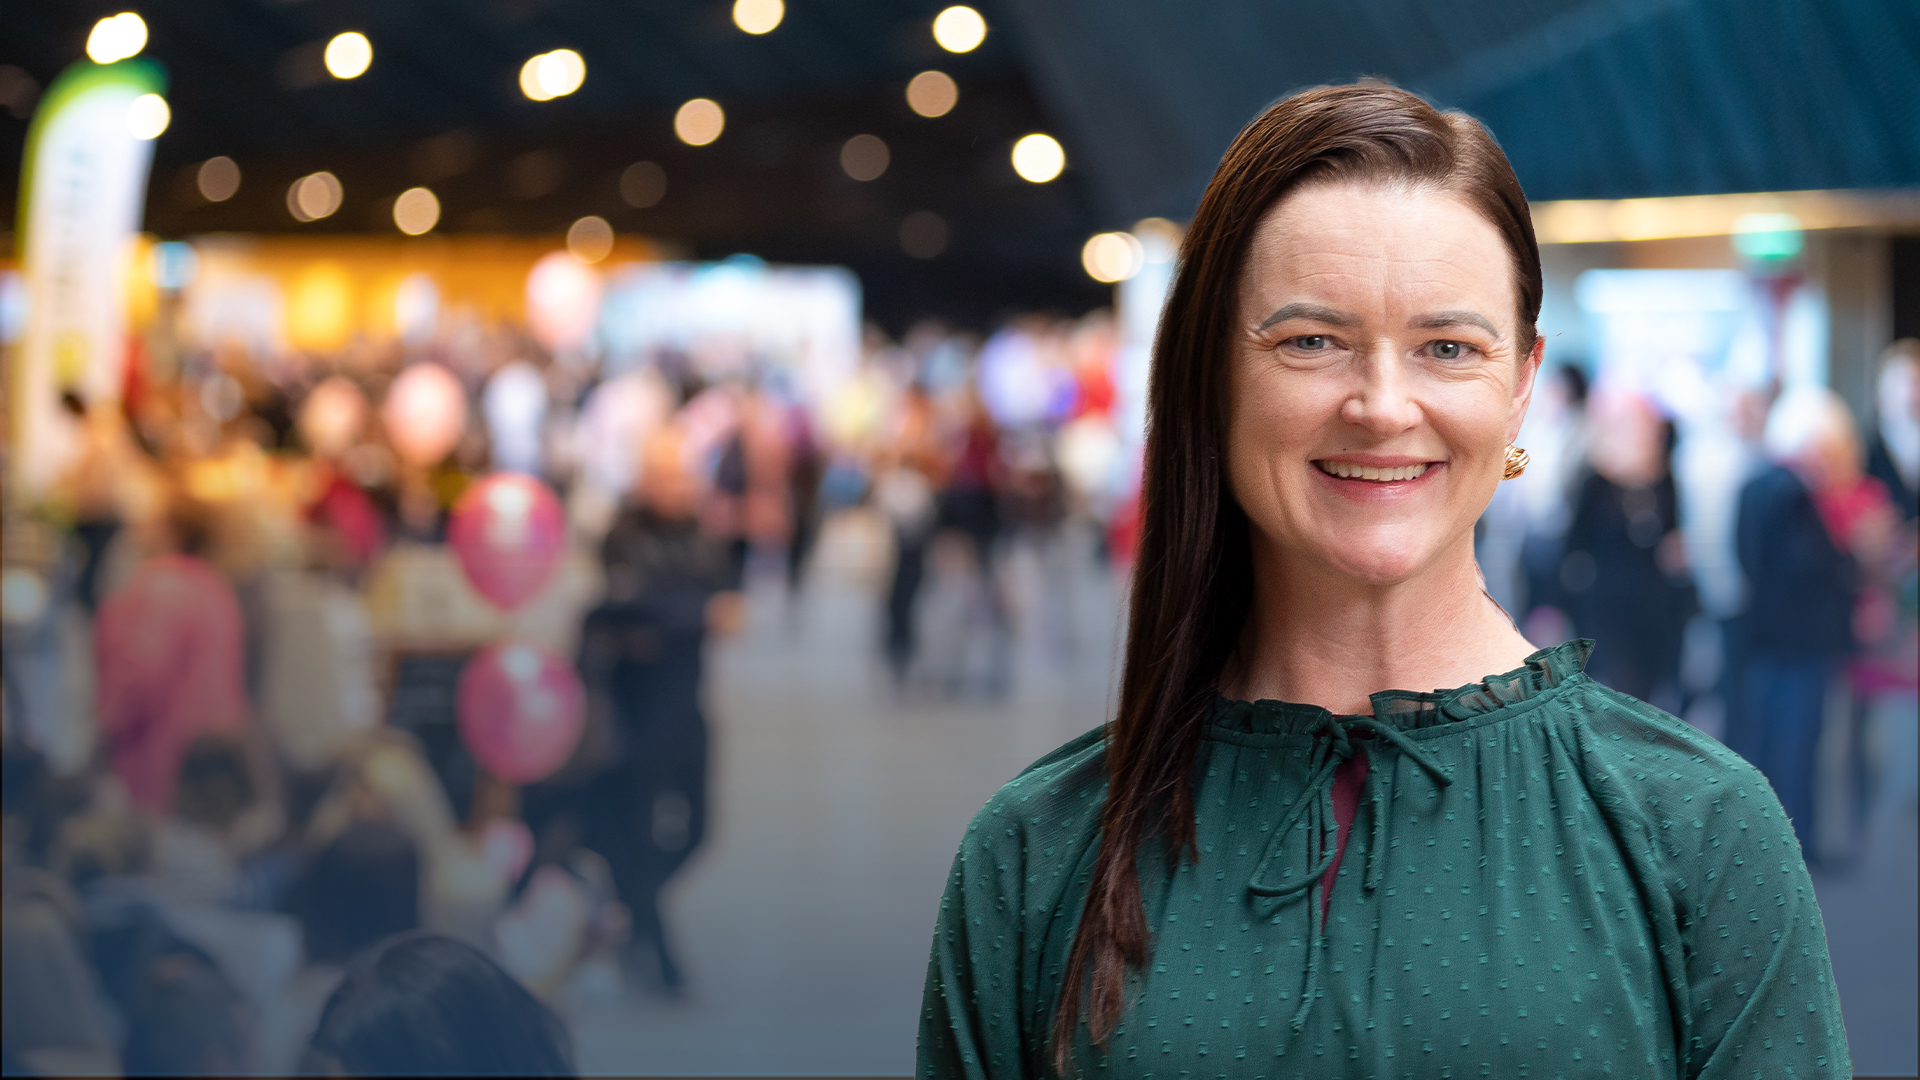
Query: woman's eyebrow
pixel 1440 320
pixel 1316 312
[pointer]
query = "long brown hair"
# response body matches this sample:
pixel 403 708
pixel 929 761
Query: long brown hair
pixel 1192 578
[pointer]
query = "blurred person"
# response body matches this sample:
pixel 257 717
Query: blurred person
pixel 806 472
pixel 50 1017
pixel 1893 457
pixel 187 1020
pixel 1546 492
pixel 424 1004
pixel 907 473
pixel 642 657
pixel 1269 843
pixel 221 815
pixel 1801 586
pixel 170 648
pixel 1623 572
pixel 365 886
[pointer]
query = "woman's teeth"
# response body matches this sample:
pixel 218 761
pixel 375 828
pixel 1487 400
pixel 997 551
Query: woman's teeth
pixel 1348 471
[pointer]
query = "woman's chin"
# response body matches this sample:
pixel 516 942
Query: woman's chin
pixel 1379 566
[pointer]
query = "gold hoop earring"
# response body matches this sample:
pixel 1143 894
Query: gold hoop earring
pixel 1516 463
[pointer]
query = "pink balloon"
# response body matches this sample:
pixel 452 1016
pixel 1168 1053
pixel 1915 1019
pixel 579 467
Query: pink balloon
pixel 425 413
pixel 508 531
pixel 521 709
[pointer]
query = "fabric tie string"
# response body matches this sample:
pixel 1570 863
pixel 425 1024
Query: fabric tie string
pixel 1332 746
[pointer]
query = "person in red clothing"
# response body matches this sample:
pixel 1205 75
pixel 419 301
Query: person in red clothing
pixel 169 649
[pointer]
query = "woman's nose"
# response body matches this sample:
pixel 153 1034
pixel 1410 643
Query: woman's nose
pixel 1380 397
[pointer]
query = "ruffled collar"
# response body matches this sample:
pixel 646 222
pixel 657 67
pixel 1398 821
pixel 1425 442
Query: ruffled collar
pixel 1408 710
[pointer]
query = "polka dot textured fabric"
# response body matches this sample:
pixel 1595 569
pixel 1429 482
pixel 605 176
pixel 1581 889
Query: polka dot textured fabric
pixel 1544 878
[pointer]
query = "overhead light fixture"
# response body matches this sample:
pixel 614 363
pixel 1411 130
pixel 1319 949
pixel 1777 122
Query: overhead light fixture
pixel 314 196
pixel 590 239
pixel 552 74
pixel 1038 158
pixel 148 116
pixel 349 55
pixel 1112 256
pixel 758 16
pixel 416 211
pixel 116 38
pixel 699 121
pixel 865 157
pixel 218 178
pixel 959 29
pixel 932 93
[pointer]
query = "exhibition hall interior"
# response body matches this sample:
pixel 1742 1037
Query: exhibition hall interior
pixel 602 492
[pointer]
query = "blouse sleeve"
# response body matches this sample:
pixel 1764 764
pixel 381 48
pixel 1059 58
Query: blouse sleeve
pixel 1760 998
pixel 969 1012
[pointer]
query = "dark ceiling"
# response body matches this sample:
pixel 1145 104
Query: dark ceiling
pixel 1592 98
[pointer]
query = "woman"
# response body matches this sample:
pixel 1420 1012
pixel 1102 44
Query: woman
pixel 1271 863
pixel 421 1004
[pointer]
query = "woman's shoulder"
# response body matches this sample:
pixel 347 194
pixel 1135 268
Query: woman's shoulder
pixel 1657 765
pixel 1053 800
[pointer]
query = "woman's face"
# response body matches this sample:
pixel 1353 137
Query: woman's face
pixel 1376 379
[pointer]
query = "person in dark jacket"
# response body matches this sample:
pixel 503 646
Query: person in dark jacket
pixel 1798 625
pixel 1623 573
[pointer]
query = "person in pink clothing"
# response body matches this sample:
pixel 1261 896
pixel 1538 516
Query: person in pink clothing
pixel 168 648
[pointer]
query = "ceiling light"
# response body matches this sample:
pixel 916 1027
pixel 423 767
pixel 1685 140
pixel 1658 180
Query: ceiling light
pixel 1112 256
pixel 932 93
pixel 348 55
pixel 1038 158
pixel 959 29
pixel 590 239
pixel 923 234
pixel 699 121
pixel 865 157
pixel 314 196
pixel 218 179
pixel 643 184
pixel 148 116
pixel 416 211
pixel 552 74
pixel 758 16
pixel 116 38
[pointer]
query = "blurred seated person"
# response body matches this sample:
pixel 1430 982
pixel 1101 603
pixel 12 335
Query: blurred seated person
pixel 50 1017
pixel 637 792
pixel 1801 585
pixel 428 1005
pixel 170 647
pixel 187 1020
pixel 1623 573
pixel 365 886
pixel 221 816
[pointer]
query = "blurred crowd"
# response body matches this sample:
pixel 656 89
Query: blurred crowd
pixel 245 831
pixel 1810 519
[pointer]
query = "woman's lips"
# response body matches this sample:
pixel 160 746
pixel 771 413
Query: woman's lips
pixel 1378 474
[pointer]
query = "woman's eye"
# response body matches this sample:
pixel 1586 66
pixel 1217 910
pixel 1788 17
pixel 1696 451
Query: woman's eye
pixel 1311 342
pixel 1448 350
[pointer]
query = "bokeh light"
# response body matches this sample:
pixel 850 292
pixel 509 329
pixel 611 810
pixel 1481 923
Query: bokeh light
pixel 1112 256
pixel 218 179
pixel 865 157
pixel 932 93
pixel 959 29
pixel 416 211
pixel 699 121
pixel 314 196
pixel 116 38
pixel 148 116
pixel 643 184
pixel 1038 158
pixel 349 55
pixel 758 16
pixel 552 74
pixel 590 239
pixel 923 234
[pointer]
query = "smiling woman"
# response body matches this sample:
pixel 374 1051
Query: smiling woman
pixel 1275 858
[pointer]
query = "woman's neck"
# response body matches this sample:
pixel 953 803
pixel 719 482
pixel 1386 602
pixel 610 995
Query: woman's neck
pixel 1319 637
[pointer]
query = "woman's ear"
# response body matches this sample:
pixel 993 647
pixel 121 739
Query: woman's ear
pixel 1523 387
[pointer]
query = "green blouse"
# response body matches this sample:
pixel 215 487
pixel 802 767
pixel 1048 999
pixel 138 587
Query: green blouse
pixel 1545 878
